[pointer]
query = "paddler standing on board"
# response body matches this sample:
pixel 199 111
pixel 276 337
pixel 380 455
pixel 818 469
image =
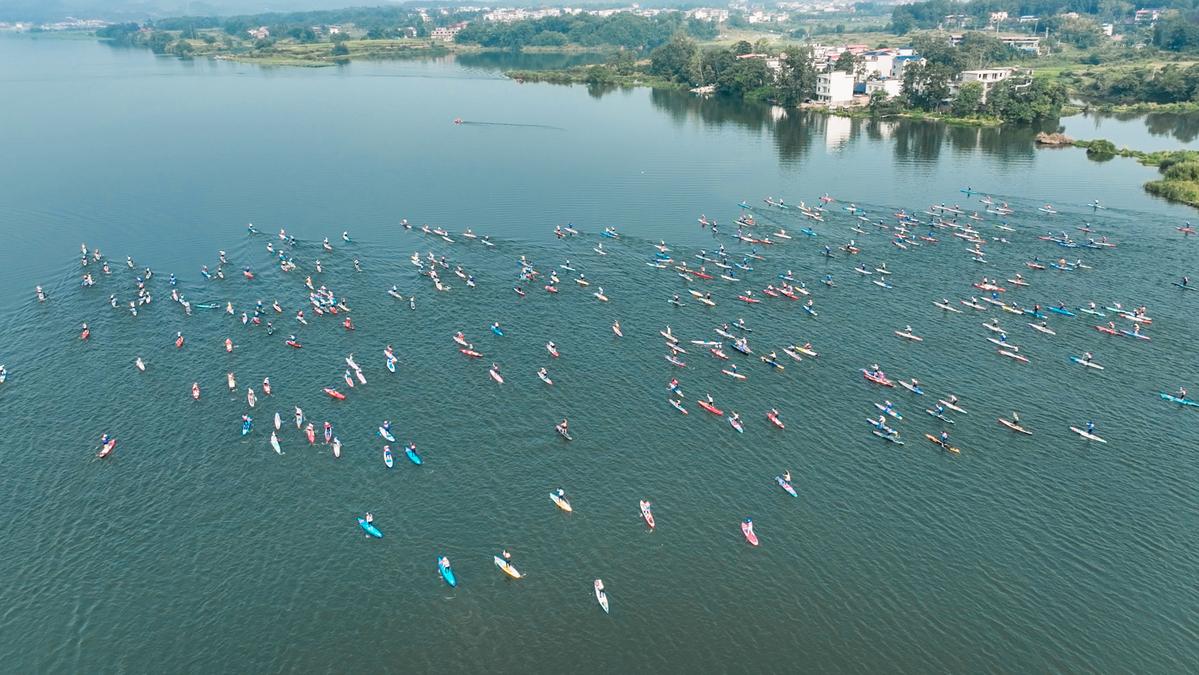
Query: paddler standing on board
pixel 944 439
pixel 1182 393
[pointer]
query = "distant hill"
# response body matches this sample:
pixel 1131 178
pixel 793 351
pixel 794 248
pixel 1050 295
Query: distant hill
pixel 136 10
pixel 133 10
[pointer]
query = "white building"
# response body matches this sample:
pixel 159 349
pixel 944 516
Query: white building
pixel 989 77
pixel 888 86
pixel 709 14
pixel 878 63
pixel 834 88
pixel 447 33
pixel 903 61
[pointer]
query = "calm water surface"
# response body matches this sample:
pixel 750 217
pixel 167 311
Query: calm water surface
pixel 195 548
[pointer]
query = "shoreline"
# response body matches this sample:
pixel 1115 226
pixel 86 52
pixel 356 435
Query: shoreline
pixel 1179 183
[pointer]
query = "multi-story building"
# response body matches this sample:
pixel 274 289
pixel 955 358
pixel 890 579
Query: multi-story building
pixel 834 88
pixel 989 77
pixel 888 86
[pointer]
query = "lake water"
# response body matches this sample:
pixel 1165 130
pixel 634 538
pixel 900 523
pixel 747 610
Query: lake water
pixel 195 548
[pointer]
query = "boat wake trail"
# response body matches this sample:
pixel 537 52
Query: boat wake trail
pixel 509 124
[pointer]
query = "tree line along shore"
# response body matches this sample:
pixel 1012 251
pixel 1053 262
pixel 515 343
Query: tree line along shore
pixel 959 74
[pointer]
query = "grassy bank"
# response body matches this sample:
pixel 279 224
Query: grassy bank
pixel 1179 168
pixel 317 54
pixel 918 115
pixel 591 75
pixel 1144 108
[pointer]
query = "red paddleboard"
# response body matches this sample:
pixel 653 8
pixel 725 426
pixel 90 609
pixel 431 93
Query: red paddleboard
pixel 877 380
pixel 710 408
pixel 647 514
pixel 748 530
pixel 471 353
pixel 774 420
pixel 333 393
pixel 107 449
pixel 179 342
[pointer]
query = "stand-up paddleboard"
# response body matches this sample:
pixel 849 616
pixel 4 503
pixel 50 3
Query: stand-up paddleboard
pixel 370 528
pixel 506 567
pixel 561 502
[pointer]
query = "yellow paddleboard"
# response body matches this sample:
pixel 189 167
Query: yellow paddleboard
pixel 506 567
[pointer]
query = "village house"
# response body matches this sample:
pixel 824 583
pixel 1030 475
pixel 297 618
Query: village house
pixel 1146 16
pixel 834 88
pixel 447 33
pixel 890 87
pixel 989 77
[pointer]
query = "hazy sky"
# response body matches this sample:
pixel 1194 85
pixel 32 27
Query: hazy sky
pixel 46 10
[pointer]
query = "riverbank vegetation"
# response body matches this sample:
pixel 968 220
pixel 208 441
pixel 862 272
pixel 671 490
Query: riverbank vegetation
pixel 623 30
pixel 1141 67
pixel 313 38
pixel 1179 169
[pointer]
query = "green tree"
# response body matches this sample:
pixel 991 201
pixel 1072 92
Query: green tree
pixel 549 38
pixel 1018 100
pixel 1082 32
pixel 742 77
pixel 600 76
pixel 926 85
pixel 677 60
pixel 845 62
pixel 1177 33
pixel 302 34
pixel 743 47
pixel 797 76
pixel 340 49
pixel 159 42
pixel 624 63
pixel 968 100
pixel 1101 147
